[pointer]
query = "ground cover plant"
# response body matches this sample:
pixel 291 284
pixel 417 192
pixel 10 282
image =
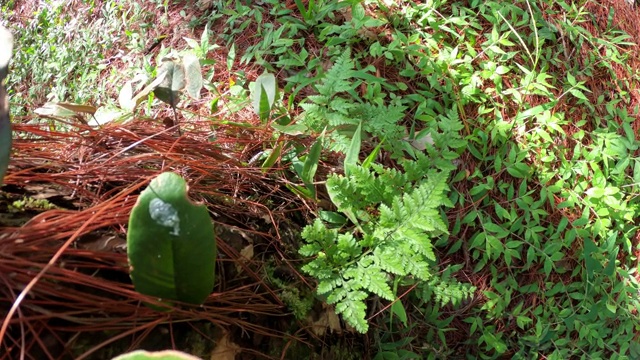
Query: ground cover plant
pixel 388 179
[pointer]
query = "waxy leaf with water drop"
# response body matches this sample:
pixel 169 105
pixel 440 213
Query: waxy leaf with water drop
pixel 171 243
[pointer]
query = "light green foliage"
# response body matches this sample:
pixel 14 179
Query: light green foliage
pixel 339 108
pixel 65 54
pixel 508 119
pixel 28 203
pixel 395 239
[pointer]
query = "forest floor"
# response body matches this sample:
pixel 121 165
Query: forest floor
pixel 532 112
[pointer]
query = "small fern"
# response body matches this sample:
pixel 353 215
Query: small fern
pixel 396 219
pixel 339 108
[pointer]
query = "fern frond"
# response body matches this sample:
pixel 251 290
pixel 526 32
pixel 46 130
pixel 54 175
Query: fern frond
pixel 374 280
pixel 336 79
pixel 445 290
pixel 353 310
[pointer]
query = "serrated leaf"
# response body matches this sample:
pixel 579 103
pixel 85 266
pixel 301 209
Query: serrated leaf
pixel 193 74
pixel 171 243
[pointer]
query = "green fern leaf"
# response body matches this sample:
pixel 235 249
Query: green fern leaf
pixel 336 79
pixel 353 310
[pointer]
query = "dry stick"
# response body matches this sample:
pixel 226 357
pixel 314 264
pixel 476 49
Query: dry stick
pixel 54 259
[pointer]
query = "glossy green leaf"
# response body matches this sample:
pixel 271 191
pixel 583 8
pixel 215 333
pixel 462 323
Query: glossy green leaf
pixel 171 243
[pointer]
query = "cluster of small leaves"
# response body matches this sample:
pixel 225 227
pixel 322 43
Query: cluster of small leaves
pixel 338 107
pixel 395 221
pixel 550 214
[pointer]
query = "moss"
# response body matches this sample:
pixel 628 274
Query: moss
pixel 29 203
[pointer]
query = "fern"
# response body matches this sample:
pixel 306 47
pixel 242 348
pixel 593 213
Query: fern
pixel 397 219
pixel 339 109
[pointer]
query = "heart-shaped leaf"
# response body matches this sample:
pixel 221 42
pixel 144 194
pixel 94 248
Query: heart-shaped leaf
pixel 171 243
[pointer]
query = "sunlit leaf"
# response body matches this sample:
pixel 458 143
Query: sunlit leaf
pixel 193 74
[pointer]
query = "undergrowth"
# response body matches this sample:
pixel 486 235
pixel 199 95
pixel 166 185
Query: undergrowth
pixel 486 198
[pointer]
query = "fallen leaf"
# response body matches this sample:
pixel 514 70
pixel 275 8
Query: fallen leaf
pixel 225 349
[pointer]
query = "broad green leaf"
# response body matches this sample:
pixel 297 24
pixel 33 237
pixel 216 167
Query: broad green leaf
pixel 398 310
pixel 351 158
pixel 6 39
pixel 125 97
pixel 148 90
pixel 264 108
pixel 293 129
pixel 157 355
pixel 273 157
pixel 332 218
pixel 171 243
pixel 193 74
pixel 263 94
pixel 173 82
pixel 518 170
pixel 105 115
pixel 311 162
pixel 595 192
